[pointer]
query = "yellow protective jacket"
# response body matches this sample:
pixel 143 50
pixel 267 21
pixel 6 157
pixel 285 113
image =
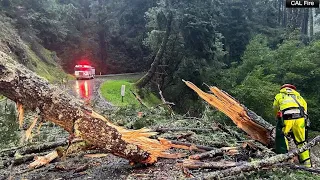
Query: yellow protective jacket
pixel 284 100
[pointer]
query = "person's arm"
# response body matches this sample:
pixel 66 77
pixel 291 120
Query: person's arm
pixel 304 105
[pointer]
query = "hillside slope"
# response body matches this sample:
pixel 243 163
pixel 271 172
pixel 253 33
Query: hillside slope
pixel 24 47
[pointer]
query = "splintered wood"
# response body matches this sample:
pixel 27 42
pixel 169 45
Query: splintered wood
pixel 235 111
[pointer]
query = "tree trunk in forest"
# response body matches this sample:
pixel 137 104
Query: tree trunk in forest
pixel 311 23
pixel 102 35
pixel 279 11
pixel 147 77
pixel 284 17
pixel 103 45
pixel 24 86
pixel 305 22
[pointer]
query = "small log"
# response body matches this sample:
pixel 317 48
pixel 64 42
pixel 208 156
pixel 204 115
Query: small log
pixel 165 129
pixel 164 102
pixel 216 152
pixel 138 98
pixel 193 146
pixel 185 136
pixel 195 164
pixel 44 160
pixel 302 168
pixel 32 149
pixel 249 166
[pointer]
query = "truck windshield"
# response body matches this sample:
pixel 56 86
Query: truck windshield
pixel 82 69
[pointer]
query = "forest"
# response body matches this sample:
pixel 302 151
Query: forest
pixel 248 48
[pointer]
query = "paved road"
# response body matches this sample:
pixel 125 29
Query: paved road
pixel 89 90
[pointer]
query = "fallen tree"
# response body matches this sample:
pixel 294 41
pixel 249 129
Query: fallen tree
pixel 33 92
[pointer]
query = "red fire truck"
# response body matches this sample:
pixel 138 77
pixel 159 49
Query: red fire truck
pixel 84 72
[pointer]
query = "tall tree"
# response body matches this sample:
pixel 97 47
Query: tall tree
pixel 148 76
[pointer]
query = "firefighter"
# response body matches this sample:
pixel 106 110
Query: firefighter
pixel 291 112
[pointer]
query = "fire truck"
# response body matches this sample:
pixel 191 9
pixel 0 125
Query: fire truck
pixel 84 72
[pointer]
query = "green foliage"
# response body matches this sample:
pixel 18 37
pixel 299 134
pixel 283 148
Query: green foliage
pixel 264 70
pixel 193 50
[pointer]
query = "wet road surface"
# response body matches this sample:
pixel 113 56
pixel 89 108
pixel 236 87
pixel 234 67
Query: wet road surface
pixel 89 90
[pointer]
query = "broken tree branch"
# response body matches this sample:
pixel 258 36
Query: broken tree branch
pixel 215 152
pixel 32 149
pixel 164 102
pixel 249 166
pixel 138 98
pixel 193 146
pixel 195 164
pixel 237 113
pixel 165 129
pixel 297 167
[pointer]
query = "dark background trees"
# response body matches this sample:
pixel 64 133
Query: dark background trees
pixel 247 47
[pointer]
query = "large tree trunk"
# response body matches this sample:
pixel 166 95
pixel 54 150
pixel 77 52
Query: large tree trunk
pixel 22 85
pixel 147 77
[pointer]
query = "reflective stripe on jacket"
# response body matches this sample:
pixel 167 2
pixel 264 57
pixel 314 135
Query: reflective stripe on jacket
pixel 284 100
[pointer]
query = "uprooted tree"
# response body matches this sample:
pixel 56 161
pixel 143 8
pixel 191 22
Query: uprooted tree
pixel 32 92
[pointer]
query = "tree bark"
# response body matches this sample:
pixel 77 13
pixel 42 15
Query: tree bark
pixel 22 85
pixel 147 77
